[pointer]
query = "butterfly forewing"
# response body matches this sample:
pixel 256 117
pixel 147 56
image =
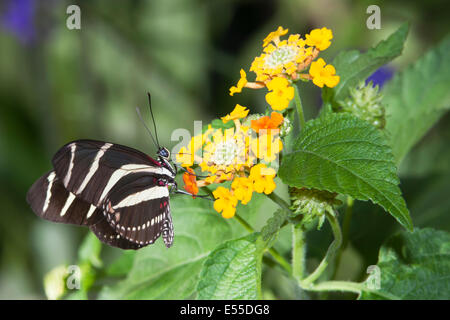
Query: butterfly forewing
pixel 90 168
pixel 51 201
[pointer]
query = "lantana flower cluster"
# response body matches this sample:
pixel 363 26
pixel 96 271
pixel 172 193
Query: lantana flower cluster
pixel 238 160
pixel 240 154
pixel 286 61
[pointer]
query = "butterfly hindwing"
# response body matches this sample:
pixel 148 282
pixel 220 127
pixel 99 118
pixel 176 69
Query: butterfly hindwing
pixel 106 234
pixel 138 208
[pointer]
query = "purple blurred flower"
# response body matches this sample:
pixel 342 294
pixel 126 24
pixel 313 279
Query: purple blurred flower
pixel 18 18
pixel 380 76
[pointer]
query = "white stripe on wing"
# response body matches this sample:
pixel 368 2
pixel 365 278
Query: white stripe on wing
pixel 69 170
pixel 50 178
pixel 94 167
pixel 142 196
pixel 128 169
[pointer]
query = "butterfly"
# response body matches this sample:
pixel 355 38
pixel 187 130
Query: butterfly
pixel 120 193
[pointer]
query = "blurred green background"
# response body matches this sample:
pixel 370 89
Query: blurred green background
pixel 58 85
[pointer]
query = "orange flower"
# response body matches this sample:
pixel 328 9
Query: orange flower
pixel 190 182
pixel 267 123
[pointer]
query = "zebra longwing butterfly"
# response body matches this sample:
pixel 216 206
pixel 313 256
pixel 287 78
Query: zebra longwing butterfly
pixel 120 193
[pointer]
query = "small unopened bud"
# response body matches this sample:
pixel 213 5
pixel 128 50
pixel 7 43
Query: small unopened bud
pixel 286 127
pixel 312 203
pixel 365 103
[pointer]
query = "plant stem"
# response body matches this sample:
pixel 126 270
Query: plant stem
pixel 273 252
pixel 347 219
pixel 298 252
pixel 308 281
pixel 244 223
pixel 348 286
pixel 298 104
pixel 279 201
pixel 345 232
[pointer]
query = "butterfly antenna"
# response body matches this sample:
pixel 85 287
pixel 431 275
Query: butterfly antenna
pixel 153 118
pixel 148 130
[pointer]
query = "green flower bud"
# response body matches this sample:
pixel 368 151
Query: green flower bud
pixel 286 127
pixel 365 103
pixel 248 121
pixel 313 203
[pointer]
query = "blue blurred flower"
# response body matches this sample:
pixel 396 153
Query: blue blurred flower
pixel 380 76
pixel 18 18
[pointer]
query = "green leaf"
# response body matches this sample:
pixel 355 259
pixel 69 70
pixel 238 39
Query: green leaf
pixel 233 270
pixel 343 154
pixel 161 273
pixel 354 66
pixel 417 97
pixel 273 225
pixel 89 250
pixel 414 266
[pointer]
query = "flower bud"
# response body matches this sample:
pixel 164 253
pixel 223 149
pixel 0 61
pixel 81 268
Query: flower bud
pixel 365 103
pixel 313 203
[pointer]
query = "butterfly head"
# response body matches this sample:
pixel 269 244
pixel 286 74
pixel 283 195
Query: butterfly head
pixel 164 153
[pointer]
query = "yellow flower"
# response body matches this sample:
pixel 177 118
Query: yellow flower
pixel 187 156
pixel 262 178
pixel 281 93
pixel 289 58
pixel 275 35
pixel 279 57
pixel 319 38
pixel 322 74
pixel 225 202
pixel 239 112
pixel 232 155
pixel 267 145
pixel 241 83
pixel 242 189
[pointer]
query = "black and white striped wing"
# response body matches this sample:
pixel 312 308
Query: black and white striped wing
pixel 90 168
pixel 86 173
pixel 51 201
pixel 139 210
pixel 106 234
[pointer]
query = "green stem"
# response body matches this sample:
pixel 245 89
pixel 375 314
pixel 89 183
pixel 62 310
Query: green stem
pixel 273 252
pixel 298 104
pixel 347 219
pixel 279 201
pixel 298 252
pixel 244 223
pixel 329 256
pixel 345 233
pixel 348 286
